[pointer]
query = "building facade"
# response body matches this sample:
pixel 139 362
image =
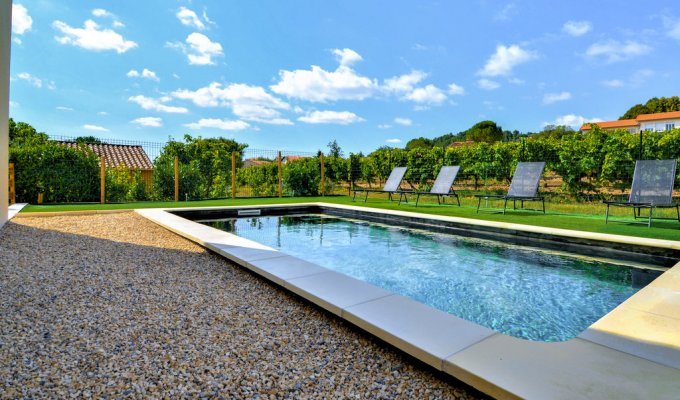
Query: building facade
pixel 658 122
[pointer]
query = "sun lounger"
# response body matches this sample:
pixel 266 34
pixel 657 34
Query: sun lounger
pixel 524 186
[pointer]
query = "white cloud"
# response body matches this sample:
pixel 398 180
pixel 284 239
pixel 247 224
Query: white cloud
pixel 395 140
pixel 403 121
pixel 550 98
pixel 222 124
pixel 429 94
pixel 199 49
pixel 62 108
pixel 147 74
pixel 21 21
pixel 102 113
pixel 613 83
pixel 149 103
pixel 91 37
pixel 577 28
pixel 346 56
pixel 189 18
pixel 575 121
pixel 95 128
pixel 614 51
pixel 319 85
pixel 384 126
pixel 251 103
pixel 117 24
pixel 404 83
pixel 505 59
pixel 506 13
pixel 206 19
pixel 488 84
pixel 100 12
pixel 153 122
pixel 331 117
pixel 35 81
pixel 456 89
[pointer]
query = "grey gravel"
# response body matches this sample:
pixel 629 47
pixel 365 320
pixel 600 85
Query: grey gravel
pixel 112 306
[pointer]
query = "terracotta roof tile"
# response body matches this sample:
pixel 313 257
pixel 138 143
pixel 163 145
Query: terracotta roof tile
pixel 624 123
pixel 132 156
pixel 658 116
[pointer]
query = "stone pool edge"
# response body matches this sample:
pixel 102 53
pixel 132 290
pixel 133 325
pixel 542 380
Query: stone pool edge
pixel 632 352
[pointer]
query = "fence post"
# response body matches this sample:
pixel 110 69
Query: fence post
pixel 176 178
pixel 278 160
pixel 12 190
pixel 233 174
pixel 102 180
pixel 323 176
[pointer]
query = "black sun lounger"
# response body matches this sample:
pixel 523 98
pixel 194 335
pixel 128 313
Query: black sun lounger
pixel 653 182
pixel 524 186
pixel 391 186
pixel 443 185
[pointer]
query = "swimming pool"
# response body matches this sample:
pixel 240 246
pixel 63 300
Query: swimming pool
pixel 520 291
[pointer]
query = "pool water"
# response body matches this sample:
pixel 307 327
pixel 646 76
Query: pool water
pixel 519 291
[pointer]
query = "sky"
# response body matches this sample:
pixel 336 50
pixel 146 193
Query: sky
pixel 295 75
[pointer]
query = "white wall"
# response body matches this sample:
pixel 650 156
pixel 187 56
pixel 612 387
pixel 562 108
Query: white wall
pixel 5 41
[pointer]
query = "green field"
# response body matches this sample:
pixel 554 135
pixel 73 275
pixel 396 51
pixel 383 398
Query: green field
pixel 578 216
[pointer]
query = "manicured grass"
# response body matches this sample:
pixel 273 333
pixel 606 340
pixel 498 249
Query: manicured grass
pixel 583 217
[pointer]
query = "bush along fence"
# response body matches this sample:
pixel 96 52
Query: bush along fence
pixel 583 166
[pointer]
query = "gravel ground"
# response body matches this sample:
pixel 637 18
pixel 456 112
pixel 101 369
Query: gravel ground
pixel 114 306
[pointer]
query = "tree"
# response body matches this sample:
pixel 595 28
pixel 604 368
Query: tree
pixel 653 106
pixel 334 149
pixel 88 140
pixel 419 143
pixel 486 132
pixel 555 132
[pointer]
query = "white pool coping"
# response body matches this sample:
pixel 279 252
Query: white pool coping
pixel 632 352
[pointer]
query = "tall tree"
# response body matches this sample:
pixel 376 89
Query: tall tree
pixel 485 131
pixel 334 149
pixel 653 106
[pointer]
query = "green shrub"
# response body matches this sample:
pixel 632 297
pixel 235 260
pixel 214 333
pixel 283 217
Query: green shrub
pixel 302 177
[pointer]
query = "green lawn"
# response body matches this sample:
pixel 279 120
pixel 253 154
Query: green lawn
pixel 577 216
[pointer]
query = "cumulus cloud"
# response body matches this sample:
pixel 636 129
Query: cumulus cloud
pixel 92 37
pixel 429 94
pixel 550 98
pixel 456 89
pixel 95 128
pixel 199 49
pixel 505 59
pixel 613 83
pixel 347 56
pixel 614 51
pixel 189 18
pixel 573 120
pixel 21 21
pixel 147 74
pixel 488 84
pixel 331 117
pixel 319 85
pixel 577 28
pixel 394 141
pixel 100 12
pixel 222 124
pixel 251 103
pixel 404 83
pixel 149 103
pixel 152 122
pixel 403 121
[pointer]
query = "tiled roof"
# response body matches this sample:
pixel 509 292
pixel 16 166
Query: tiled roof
pixel 624 123
pixel 250 162
pixel 132 156
pixel 465 143
pixel 658 116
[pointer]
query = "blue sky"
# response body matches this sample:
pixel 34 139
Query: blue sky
pixel 295 74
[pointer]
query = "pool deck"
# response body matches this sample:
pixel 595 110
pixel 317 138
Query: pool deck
pixel 632 352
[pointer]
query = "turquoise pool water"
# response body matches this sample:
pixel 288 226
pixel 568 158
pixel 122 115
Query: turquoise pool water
pixel 520 291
